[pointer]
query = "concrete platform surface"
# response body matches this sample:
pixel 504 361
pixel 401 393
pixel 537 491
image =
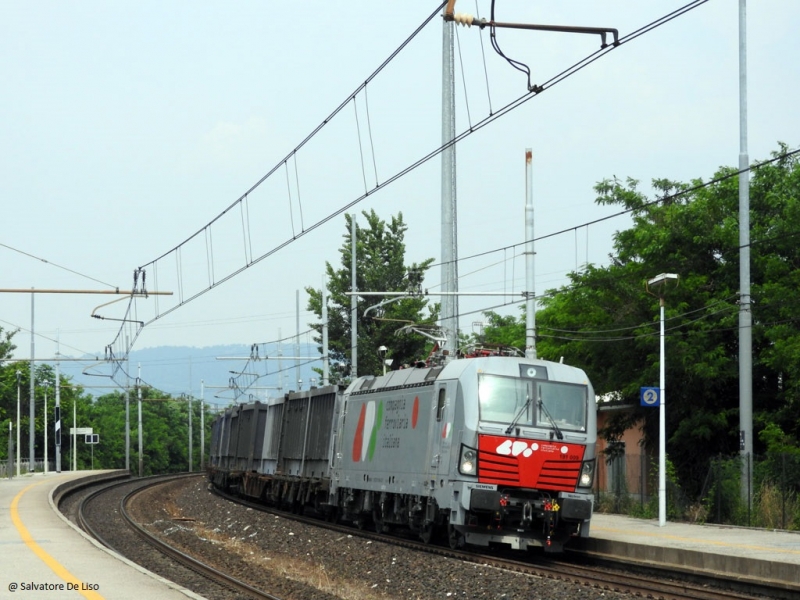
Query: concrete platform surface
pixel 44 556
pixel 737 552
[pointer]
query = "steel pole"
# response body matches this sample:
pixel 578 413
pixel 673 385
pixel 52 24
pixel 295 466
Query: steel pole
pixel 139 395
pixel 44 462
pixel 19 377
pixel 449 218
pixel 745 315
pixel 530 284
pixel 326 363
pixel 202 425
pixel 58 418
pixel 32 406
pixel 662 430
pixel 190 433
pixel 353 303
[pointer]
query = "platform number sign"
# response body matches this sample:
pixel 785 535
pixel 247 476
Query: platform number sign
pixel 92 438
pixel 650 396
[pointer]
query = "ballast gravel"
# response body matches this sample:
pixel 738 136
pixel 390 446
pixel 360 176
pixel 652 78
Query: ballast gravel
pixel 295 561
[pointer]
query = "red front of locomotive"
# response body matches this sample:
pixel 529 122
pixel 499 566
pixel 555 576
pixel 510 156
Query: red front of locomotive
pixel 527 454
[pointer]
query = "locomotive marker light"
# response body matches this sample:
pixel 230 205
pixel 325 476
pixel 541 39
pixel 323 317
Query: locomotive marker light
pixel 660 282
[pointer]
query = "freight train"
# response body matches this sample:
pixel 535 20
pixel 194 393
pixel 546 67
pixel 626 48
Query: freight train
pixel 480 451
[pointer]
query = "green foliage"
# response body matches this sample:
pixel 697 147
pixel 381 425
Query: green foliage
pixel 380 256
pixel 501 331
pixel 607 321
pixel 165 432
pixel 165 422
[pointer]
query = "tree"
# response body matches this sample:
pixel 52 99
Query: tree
pixel 606 322
pixel 380 267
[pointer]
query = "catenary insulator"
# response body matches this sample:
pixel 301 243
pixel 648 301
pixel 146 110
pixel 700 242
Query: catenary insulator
pixel 464 19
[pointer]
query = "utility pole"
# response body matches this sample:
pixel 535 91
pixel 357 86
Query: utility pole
pixel 58 416
pixel 189 400
pixel 202 425
pixel 139 395
pixel 530 283
pixel 745 315
pixel 297 341
pixel 31 409
pixel 353 303
pixel 19 376
pixel 44 416
pixel 326 361
pixel 449 228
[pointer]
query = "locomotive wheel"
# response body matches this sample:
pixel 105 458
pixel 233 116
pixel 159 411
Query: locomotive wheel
pixel 454 538
pixel 332 515
pixel 426 533
pixel 377 521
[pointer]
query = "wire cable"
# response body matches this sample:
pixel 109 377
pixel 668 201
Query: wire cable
pixel 514 104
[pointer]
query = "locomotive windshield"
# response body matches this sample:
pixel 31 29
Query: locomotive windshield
pixel 506 400
pixel 565 403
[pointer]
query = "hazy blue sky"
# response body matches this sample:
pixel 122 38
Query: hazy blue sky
pixel 127 126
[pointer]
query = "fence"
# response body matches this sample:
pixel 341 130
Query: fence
pixel 38 466
pixel 628 484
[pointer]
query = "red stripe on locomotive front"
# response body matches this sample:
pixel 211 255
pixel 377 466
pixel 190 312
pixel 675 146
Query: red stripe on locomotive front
pixel 537 464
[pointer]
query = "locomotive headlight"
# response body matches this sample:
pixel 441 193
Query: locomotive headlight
pixel 587 474
pixel 468 464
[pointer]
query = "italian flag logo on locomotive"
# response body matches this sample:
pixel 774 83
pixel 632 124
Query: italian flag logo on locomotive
pixel 390 415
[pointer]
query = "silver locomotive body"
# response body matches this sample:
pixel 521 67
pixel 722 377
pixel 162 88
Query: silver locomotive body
pixel 486 450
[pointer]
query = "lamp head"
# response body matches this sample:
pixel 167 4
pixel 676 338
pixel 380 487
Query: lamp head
pixel 662 279
pixel 660 282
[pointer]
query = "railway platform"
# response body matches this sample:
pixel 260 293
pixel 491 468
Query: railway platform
pixel 45 557
pixel 740 553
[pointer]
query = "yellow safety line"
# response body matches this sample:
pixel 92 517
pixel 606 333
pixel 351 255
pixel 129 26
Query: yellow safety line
pixel 51 562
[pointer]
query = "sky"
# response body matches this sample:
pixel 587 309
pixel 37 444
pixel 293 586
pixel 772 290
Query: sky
pixel 128 128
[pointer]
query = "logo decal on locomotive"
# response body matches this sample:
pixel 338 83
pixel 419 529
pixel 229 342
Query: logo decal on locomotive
pixel 517 447
pixel 371 421
pixel 368 425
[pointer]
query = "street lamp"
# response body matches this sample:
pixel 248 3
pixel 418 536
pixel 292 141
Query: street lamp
pixel 660 282
pixel 19 377
pixel 45 384
pixel 382 350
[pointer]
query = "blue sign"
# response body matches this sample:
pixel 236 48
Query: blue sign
pixel 650 396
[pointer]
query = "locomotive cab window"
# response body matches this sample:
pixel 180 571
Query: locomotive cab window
pixel 440 404
pixel 504 399
pixel 562 405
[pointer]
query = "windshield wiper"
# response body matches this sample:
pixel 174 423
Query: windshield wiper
pixel 518 415
pixel 559 435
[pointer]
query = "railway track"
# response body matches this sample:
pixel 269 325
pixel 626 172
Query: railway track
pixel 666 585
pixel 128 538
pixel 604 582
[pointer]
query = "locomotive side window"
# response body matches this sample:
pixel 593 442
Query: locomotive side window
pixel 440 404
pixel 505 399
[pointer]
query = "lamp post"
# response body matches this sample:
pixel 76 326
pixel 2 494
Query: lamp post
pixel 382 350
pixel 660 282
pixel 45 384
pixel 19 377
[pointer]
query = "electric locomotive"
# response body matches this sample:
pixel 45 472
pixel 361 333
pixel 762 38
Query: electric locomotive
pixel 486 450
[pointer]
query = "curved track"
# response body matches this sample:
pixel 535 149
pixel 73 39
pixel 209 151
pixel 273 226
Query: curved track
pixel 116 534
